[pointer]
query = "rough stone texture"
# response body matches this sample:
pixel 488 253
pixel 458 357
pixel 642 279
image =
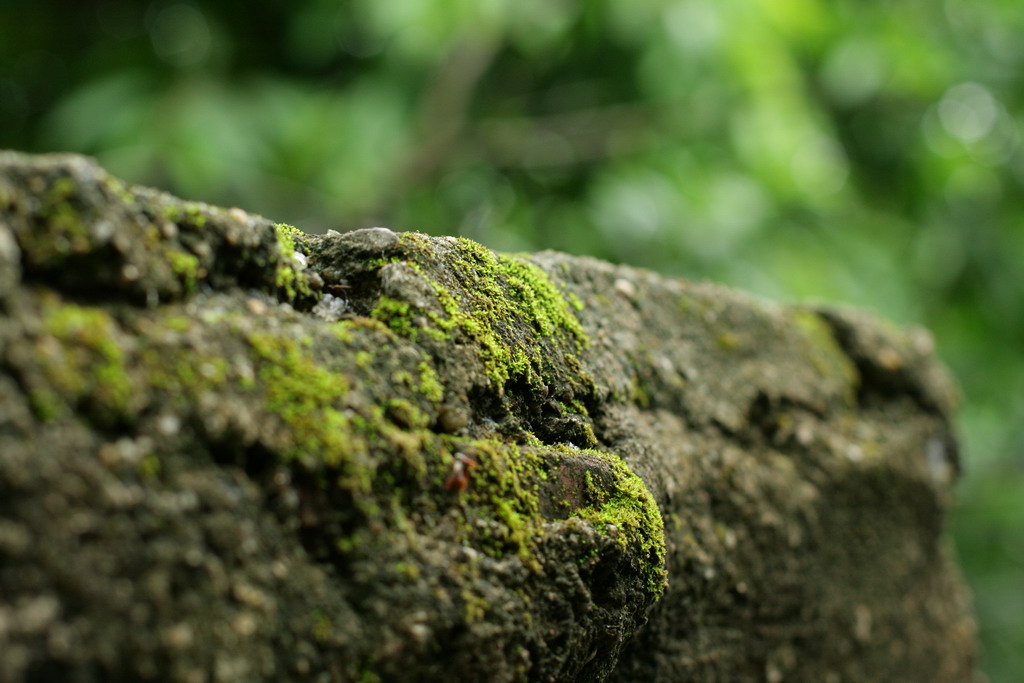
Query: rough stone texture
pixel 233 452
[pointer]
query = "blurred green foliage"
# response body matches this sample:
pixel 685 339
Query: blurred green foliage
pixel 863 152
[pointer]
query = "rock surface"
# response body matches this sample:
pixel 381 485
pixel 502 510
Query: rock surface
pixel 230 451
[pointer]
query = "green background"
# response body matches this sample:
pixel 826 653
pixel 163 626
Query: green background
pixel 848 151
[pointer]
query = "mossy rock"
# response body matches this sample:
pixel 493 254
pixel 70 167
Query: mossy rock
pixel 233 451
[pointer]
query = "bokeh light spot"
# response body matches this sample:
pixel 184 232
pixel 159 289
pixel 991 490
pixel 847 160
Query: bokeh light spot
pixel 180 35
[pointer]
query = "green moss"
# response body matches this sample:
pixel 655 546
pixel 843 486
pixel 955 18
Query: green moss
pixel 82 362
pixel 60 231
pixel 368 676
pixel 397 315
pixel 323 629
pixel 406 414
pixel 348 545
pixel 639 393
pixel 728 341
pixel 195 215
pixel 504 304
pixel 178 323
pixel 186 267
pixel 286 234
pixel 628 511
pixel 305 396
pixel 46 403
pixel 409 570
pixel 429 384
pixel 190 213
pixel 503 487
pixel 575 407
pixel 178 370
pixel 475 606
pixel 149 466
pixel 346 329
pixel 292 284
pixel 119 189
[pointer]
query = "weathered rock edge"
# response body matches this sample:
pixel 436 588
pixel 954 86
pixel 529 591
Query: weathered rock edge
pixel 230 451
